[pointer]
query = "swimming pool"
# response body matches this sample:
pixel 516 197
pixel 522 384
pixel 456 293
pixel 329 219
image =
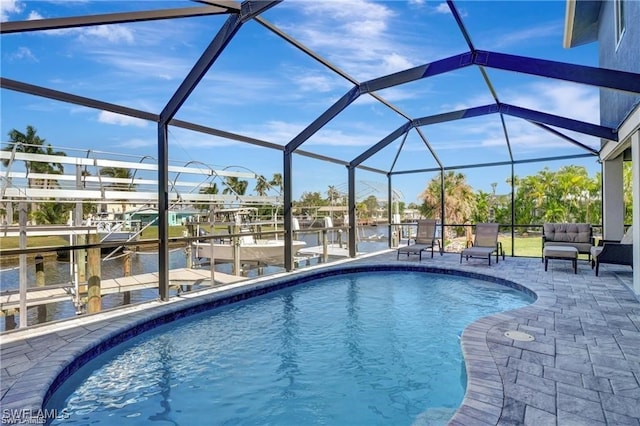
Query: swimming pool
pixel 355 348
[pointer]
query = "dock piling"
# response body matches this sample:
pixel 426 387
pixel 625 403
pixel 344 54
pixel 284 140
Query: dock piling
pixel 42 309
pixel 94 298
pixel 126 265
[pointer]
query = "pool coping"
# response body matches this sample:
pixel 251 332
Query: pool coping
pixel 52 357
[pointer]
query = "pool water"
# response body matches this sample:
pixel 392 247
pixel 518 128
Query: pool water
pixel 357 349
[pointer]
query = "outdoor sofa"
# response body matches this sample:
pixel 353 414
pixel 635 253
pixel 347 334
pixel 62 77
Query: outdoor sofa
pixel 577 235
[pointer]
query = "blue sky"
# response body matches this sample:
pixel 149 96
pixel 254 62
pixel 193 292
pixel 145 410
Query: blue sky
pixel 265 88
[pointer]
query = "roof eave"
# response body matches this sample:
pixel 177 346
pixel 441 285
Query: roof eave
pixel 581 22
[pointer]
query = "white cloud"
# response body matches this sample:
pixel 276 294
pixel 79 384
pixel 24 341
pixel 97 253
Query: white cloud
pixel 33 16
pixel 355 35
pixel 149 64
pixel 528 36
pixel 565 99
pixel 112 33
pixel 24 54
pixel 442 8
pixel 10 7
pixel 138 143
pixel 120 120
pixel 314 83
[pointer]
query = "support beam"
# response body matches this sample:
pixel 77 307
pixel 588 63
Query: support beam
pixel 456 115
pixel 382 144
pixel 112 18
pixel 31 89
pixel 287 189
pixel 563 122
pixel 335 109
pixel 593 76
pixel 612 199
pixel 635 179
pixel 353 220
pixel 423 71
pixel 163 212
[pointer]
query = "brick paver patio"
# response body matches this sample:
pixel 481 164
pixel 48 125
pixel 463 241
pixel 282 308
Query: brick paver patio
pixel 581 368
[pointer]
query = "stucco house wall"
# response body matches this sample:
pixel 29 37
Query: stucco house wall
pixel 615 106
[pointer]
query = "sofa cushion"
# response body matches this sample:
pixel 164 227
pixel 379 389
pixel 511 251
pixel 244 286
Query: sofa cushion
pixel 628 237
pixel 568 232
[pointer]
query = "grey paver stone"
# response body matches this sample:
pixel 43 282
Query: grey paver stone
pixel 570 419
pixel 580 406
pixel 620 419
pixel 596 383
pixel 579 392
pixel 621 405
pixel 538 358
pixel 512 412
pixel 530 396
pixel 537 383
pixel 575 364
pixel 526 366
pixel 536 417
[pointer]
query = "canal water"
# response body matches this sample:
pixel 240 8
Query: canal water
pixel 59 272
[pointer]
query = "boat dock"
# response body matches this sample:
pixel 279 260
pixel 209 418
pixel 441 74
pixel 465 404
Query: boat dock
pixel 37 296
pixel 331 250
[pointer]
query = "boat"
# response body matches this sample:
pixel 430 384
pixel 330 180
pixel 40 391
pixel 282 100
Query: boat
pixel 250 249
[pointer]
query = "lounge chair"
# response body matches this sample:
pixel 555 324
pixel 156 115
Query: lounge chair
pixel 485 243
pixel 425 239
pixel 613 252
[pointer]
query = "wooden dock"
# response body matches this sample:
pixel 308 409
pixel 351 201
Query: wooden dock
pixel 64 292
pixel 332 250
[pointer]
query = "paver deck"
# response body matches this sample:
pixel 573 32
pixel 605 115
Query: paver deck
pixel 581 368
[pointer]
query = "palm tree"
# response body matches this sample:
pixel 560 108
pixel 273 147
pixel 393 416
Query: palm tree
pixel 119 173
pixel 235 186
pixel 211 189
pixel 262 186
pixel 48 168
pixel 51 213
pixel 30 143
pixel 459 198
pixel 276 181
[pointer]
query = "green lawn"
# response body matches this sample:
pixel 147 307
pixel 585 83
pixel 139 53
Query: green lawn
pixel 7 243
pixel 524 246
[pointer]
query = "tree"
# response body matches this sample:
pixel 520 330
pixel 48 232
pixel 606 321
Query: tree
pixel 482 208
pixel 125 183
pixel 211 189
pixel 458 199
pixel 567 195
pixel 276 181
pixel 262 186
pixel 627 191
pixel 371 205
pixel 51 213
pixel 30 143
pixel 235 186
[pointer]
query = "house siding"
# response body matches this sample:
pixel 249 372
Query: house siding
pixel 615 105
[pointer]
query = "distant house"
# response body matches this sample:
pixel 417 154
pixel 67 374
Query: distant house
pixel 150 215
pixel 615 26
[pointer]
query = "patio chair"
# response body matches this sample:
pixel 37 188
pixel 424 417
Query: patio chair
pixel 485 243
pixel 425 239
pixel 613 252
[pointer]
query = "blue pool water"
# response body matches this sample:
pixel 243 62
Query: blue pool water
pixel 357 349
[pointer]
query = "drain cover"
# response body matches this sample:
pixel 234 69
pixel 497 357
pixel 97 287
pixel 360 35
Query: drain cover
pixel 519 335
